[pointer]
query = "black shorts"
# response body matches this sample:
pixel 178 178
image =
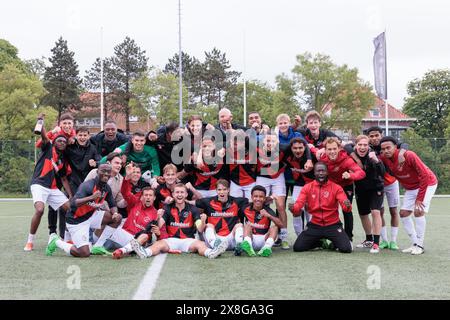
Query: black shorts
pixel 368 201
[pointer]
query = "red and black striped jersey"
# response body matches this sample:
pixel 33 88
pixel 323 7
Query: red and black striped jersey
pixel 205 176
pixel 297 166
pixel 224 216
pixel 260 224
pixel 162 192
pixel 181 224
pixel 49 167
pixel 242 171
pixel 82 213
pixel 270 165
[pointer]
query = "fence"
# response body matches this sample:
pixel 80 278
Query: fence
pixel 17 158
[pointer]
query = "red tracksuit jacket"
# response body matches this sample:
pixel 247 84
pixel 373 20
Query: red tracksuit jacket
pixel 343 163
pixel 322 202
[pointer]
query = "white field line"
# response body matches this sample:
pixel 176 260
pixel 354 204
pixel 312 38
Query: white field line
pixel 148 284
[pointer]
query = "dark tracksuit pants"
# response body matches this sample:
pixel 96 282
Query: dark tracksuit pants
pixel 310 238
pixel 348 216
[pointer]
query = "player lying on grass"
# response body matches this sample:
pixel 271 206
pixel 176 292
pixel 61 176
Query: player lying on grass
pixel 223 217
pixel 88 210
pixel 142 218
pixel 322 198
pixel 258 217
pixel 181 220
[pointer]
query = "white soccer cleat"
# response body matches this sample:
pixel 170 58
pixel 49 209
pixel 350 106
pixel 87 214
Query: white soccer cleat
pixel 409 250
pixel 418 250
pixel 365 244
pixel 140 251
pixel 218 250
pixel 375 248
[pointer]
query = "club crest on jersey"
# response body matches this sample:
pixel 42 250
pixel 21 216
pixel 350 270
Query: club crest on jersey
pixel 325 194
pixel 185 214
pixel 339 230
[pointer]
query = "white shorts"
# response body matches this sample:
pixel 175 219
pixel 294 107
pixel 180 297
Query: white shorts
pixel 53 197
pixel 229 238
pixel 121 237
pixel 241 191
pixel 392 194
pixel 180 244
pixel 208 193
pixel 258 241
pixel 80 232
pixel 410 196
pixel 276 187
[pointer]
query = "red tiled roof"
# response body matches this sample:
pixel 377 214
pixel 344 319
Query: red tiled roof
pixel 393 113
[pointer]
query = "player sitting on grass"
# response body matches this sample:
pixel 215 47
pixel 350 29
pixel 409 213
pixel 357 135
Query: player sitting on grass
pixel 88 210
pixel 223 217
pixel 142 217
pixel 322 198
pixel 258 232
pixel 182 220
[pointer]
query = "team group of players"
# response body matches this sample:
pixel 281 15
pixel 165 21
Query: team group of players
pixel 207 189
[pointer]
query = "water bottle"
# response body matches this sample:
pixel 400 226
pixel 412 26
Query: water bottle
pixel 39 125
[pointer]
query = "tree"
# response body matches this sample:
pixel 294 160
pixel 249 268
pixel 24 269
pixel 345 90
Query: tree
pixel 128 63
pixel 61 78
pixel 321 82
pixel 156 93
pixel 9 55
pixel 36 66
pixel 217 78
pixel 92 82
pixel 429 102
pixel 19 93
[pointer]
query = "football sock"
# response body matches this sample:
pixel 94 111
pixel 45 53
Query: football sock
pixel 369 237
pixel 298 225
pixel 269 242
pixel 31 238
pixel 64 246
pixel 283 234
pixel 384 235
pixel 210 236
pixel 239 235
pixel 410 230
pixel 127 248
pixel 376 238
pixel 394 233
pixel 421 224
pixel 107 232
pixel 67 236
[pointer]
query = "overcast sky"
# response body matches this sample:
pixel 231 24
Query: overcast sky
pixel 417 32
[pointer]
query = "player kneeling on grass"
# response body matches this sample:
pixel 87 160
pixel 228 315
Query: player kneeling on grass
pixel 258 232
pixel 88 210
pixel 181 220
pixel 223 217
pixel 322 198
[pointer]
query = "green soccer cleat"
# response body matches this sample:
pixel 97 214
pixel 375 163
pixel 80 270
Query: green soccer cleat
pixel 284 245
pixel 265 252
pixel 324 243
pixel 384 245
pixel 393 245
pixel 51 247
pixel 248 249
pixel 100 251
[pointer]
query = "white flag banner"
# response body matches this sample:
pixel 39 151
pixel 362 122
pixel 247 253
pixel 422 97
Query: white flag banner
pixel 379 66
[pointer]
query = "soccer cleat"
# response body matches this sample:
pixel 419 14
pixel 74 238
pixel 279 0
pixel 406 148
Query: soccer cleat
pixel 217 242
pixel 284 245
pixel 365 244
pixel 417 250
pixel 277 243
pixel 248 249
pixel 217 251
pixel 117 254
pixel 100 251
pixel 324 243
pixel 237 250
pixel 140 251
pixel 28 247
pixel 375 248
pixel 51 247
pixel 265 252
pixel 410 249
pixel 384 245
pixel 393 245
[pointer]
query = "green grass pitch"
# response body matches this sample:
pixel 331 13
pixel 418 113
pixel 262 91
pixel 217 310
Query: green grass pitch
pixel 285 275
